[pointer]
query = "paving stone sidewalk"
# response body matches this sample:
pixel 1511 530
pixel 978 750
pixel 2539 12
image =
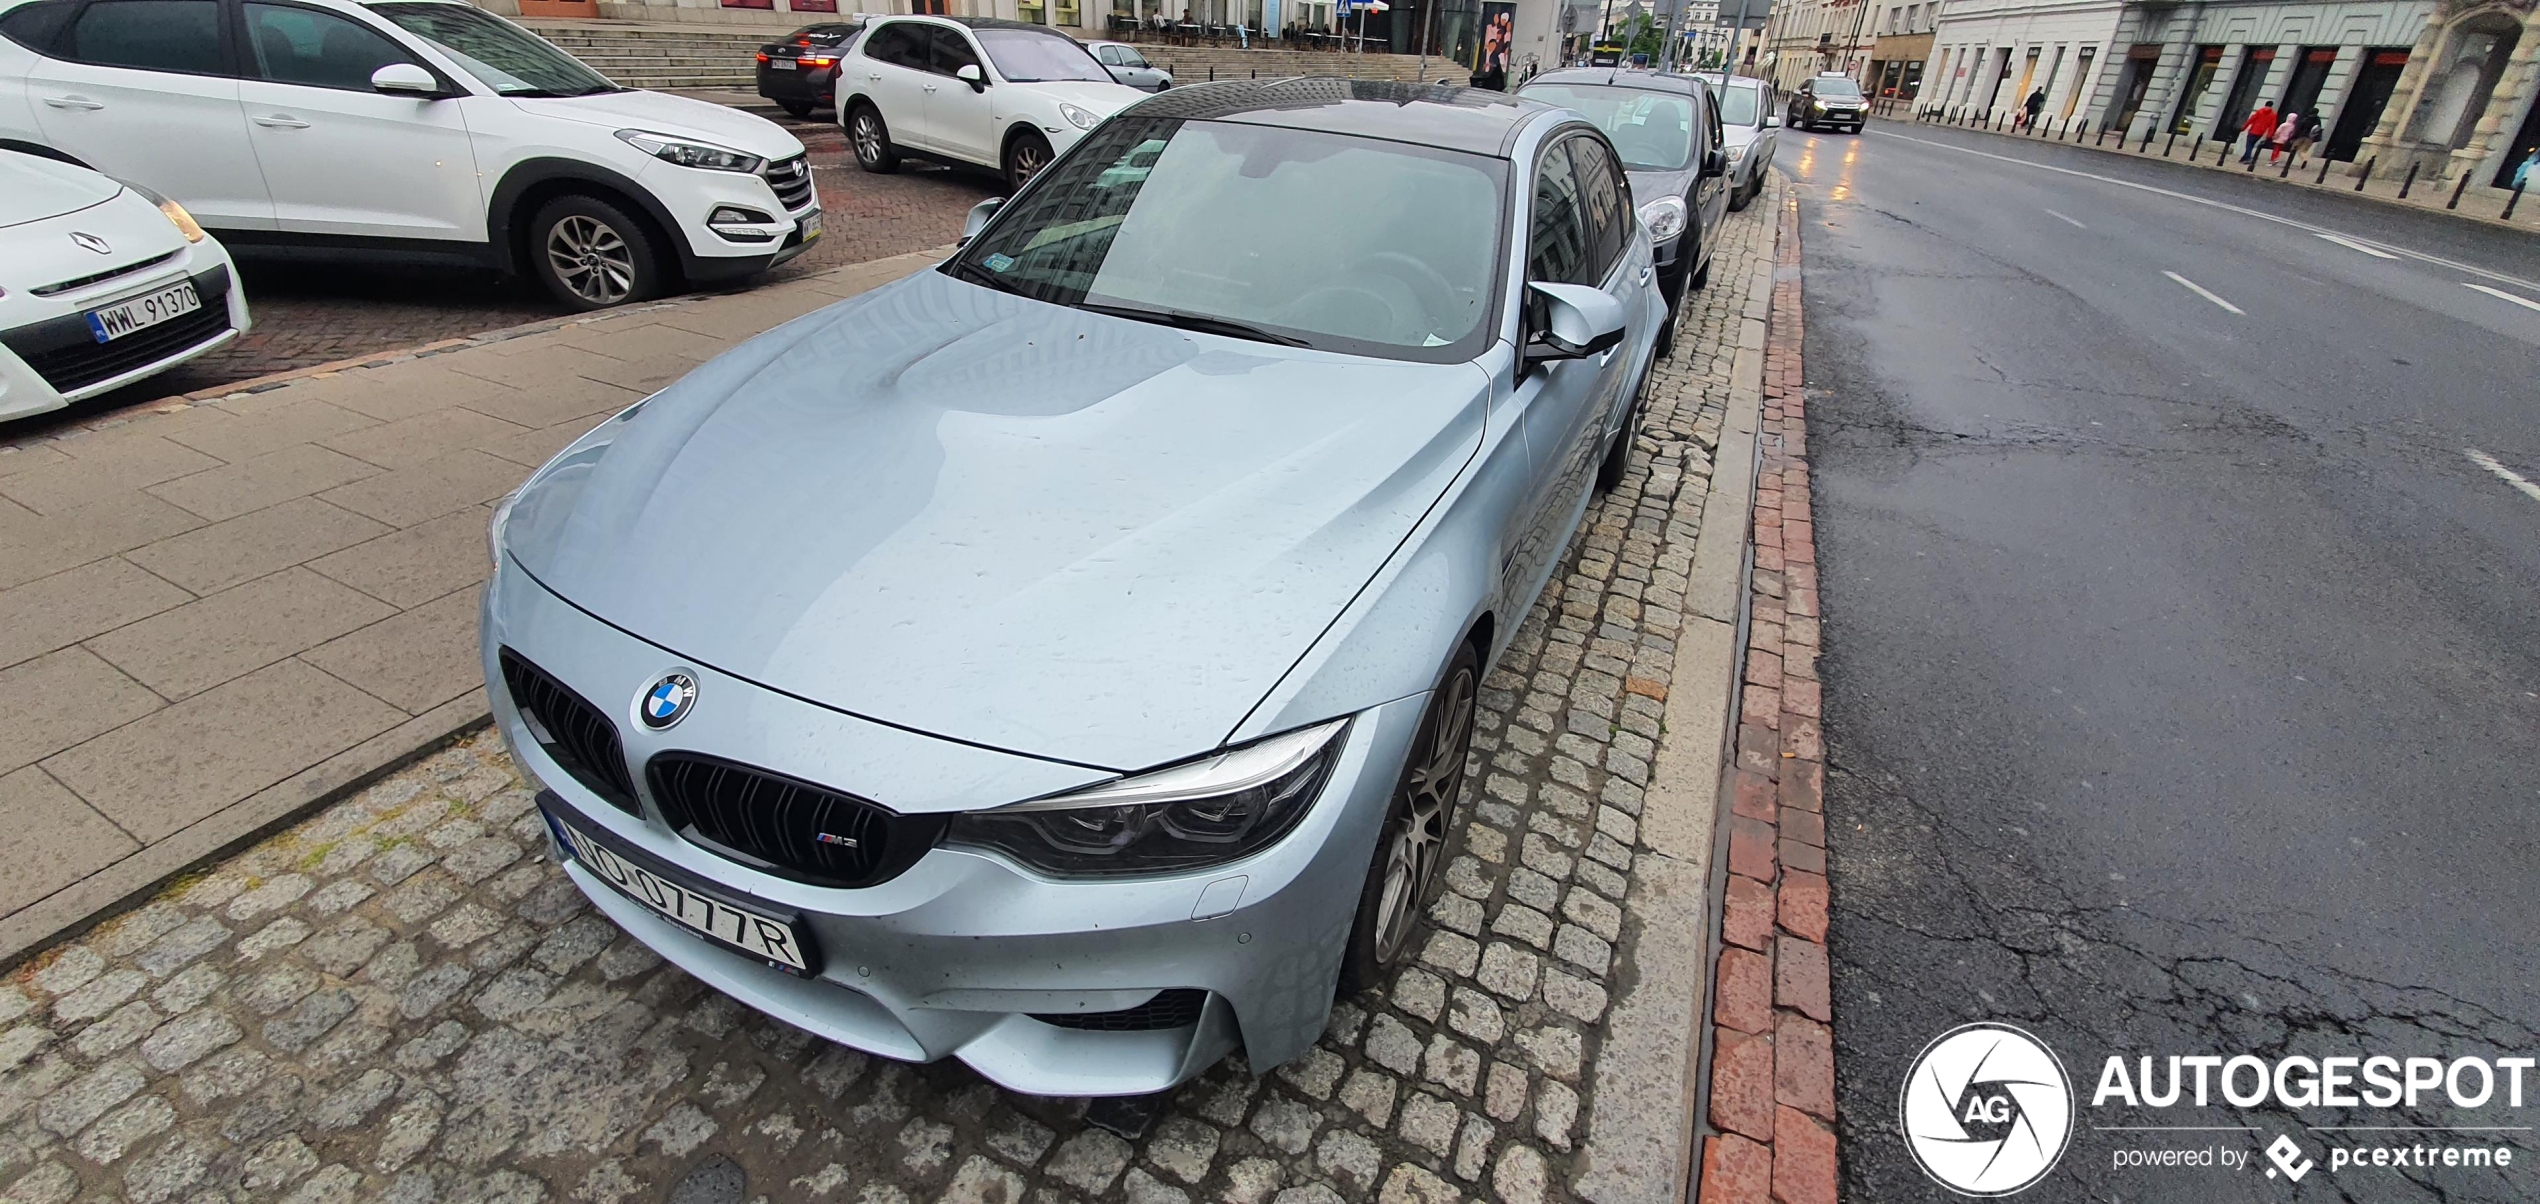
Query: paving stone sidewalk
pixel 226 610
pixel 401 1000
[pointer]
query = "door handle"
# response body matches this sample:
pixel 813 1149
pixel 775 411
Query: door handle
pixel 930 87
pixel 281 121
pixel 72 102
pixel 1645 273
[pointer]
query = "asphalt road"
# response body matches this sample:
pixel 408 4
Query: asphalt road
pixel 2183 661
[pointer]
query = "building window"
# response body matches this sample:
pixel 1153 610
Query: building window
pixel 1031 12
pixel 1066 12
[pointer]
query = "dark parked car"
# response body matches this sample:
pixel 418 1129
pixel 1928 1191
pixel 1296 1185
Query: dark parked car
pixel 1667 129
pixel 800 71
pixel 1828 100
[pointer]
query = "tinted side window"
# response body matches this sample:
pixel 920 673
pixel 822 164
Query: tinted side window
pixel 34 26
pixel 1605 198
pixel 1557 244
pixel 305 46
pixel 952 51
pixel 153 35
pixel 900 44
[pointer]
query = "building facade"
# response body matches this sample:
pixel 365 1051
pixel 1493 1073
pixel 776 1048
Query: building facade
pixel 2446 87
pixel 1903 45
pixel 1804 38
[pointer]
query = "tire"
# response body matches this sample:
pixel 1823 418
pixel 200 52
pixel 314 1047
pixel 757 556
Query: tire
pixel 1701 278
pixel 1739 198
pixel 799 108
pixel 592 254
pixel 870 137
pixel 1025 155
pixel 1618 455
pixel 1403 876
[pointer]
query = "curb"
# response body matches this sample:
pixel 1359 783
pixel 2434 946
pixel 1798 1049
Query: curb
pixel 1770 1101
pixel 2343 188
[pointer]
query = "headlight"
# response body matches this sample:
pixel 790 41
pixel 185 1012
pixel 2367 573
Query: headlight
pixel 1206 812
pixel 175 213
pixel 1078 117
pixel 1665 218
pixel 691 154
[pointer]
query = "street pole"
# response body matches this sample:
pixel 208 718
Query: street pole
pixel 1728 64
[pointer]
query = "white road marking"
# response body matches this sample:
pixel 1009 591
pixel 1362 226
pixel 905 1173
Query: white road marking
pixel 2352 245
pixel 2061 218
pixel 2242 210
pixel 2202 291
pixel 2525 302
pixel 2509 476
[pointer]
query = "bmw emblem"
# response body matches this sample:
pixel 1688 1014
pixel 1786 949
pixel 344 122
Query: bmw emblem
pixel 668 701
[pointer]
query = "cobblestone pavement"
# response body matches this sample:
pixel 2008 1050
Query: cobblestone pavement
pixel 308 314
pixel 402 999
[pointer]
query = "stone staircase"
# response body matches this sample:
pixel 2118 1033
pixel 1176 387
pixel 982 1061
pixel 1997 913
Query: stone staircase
pixel 705 56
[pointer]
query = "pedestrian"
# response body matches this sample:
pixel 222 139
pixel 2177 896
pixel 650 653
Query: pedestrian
pixel 2306 134
pixel 2287 125
pixel 2522 174
pixel 2035 105
pixel 2259 128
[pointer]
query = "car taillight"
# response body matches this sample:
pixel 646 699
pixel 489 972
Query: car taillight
pixel 802 41
pixel 820 62
pixel 762 56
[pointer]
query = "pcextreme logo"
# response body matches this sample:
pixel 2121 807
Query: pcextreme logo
pixel 1987 1109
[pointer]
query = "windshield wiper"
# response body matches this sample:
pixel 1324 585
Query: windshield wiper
pixel 1191 321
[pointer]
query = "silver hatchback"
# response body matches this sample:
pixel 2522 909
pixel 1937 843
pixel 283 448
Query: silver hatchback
pixel 1065 659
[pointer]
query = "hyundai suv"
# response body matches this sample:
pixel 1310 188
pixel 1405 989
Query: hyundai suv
pixel 424 129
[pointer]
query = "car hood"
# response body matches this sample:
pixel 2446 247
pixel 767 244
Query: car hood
pixel 1733 136
pixel 33 188
pixel 663 113
pixel 42 252
pixel 1102 98
pixel 1009 523
pixel 1648 186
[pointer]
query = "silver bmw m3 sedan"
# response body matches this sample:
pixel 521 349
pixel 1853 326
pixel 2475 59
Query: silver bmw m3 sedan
pixel 1065 659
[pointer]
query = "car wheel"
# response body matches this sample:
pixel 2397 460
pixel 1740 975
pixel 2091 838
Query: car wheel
pixel 592 254
pixel 1701 278
pixel 871 139
pixel 1025 155
pixel 1739 196
pixel 1403 877
pixel 799 108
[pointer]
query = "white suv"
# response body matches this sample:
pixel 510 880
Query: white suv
pixel 418 128
pixel 998 94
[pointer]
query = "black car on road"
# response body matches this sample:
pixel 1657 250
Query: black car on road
pixel 800 70
pixel 1667 129
pixel 1828 100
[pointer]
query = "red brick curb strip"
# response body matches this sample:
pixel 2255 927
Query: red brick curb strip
pixel 1772 1040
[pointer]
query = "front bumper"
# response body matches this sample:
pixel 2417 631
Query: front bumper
pixel 955 956
pixel 53 361
pixel 706 256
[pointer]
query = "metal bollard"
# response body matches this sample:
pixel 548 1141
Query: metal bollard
pixel 2165 146
pixel 2225 156
pixel 2324 162
pixel 2511 201
pixel 2146 148
pixel 2102 139
pixel 1212 73
pixel 2287 173
pixel 2410 182
pixel 2253 161
pixel 2457 190
pixel 2366 173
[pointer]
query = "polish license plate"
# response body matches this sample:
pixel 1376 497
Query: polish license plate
pixel 782 64
pixel 778 941
pixel 140 313
pixel 811 225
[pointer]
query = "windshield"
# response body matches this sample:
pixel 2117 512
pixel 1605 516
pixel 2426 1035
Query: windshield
pixel 1838 89
pixel 1025 57
pixel 1653 131
pixel 1738 105
pixel 502 56
pixel 1286 236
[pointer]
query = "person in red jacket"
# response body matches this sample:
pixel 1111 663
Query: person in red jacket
pixel 2261 127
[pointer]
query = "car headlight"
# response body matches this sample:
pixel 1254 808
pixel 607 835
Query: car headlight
pixel 1077 117
pixel 1206 812
pixel 175 213
pixel 692 154
pixel 1665 218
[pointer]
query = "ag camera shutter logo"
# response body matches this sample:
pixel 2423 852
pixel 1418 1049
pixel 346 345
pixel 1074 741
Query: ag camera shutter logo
pixel 1987 1110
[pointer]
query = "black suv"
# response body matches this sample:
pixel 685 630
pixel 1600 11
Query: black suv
pixel 1828 100
pixel 800 71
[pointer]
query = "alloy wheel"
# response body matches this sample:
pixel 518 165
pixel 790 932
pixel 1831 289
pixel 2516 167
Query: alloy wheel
pixel 1029 158
pixel 868 138
pixel 1433 783
pixel 592 259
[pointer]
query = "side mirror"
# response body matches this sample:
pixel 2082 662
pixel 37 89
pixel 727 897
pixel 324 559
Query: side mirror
pixel 1772 122
pixel 978 218
pixel 405 79
pixel 1714 163
pixel 1579 321
pixel 969 73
